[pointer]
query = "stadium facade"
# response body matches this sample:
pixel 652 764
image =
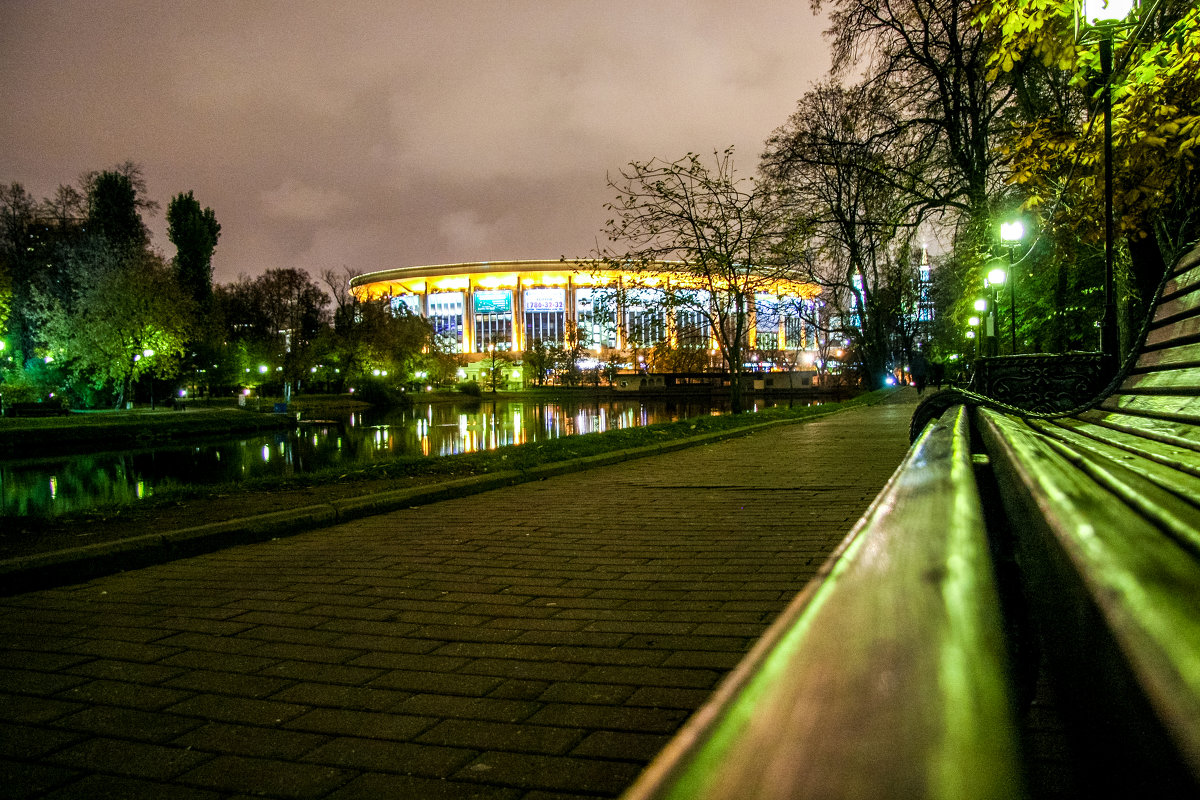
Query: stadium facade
pixel 508 305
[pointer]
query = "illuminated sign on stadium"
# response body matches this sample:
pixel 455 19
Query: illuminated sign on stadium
pixel 493 301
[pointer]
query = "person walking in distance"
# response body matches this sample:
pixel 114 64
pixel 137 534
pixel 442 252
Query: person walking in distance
pixel 919 369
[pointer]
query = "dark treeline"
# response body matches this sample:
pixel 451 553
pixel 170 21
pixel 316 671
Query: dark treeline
pixel 93 316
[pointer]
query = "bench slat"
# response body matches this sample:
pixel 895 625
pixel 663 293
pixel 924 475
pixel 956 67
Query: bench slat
pixel 1143 584
pixel 1175 432
pixel 1169 356
pixel 1183 273
pixel 1182 382
pixel 1180 408
pixel 1179 305
pixel 886 677
pixel 1160 480
pixel 1185 328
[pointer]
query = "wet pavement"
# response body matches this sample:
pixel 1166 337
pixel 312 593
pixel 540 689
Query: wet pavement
pixel 537 641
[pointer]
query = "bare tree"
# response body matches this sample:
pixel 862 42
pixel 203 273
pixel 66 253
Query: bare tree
pixel 852 224
pixel 931 62
pixel 700 242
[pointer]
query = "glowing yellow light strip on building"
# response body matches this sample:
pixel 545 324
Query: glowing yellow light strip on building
pixel 545 279
pixel 497 281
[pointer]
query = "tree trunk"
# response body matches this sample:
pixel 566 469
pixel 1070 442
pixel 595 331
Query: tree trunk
pixel 1058 331
pixel 735 392
pixel 1147 267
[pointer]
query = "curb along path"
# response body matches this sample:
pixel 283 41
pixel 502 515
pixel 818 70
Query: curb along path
pixel 537 641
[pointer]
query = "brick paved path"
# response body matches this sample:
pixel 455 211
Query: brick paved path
pixel 541 641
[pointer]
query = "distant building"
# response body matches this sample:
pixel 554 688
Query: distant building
pixel 508 305
pixel 925 304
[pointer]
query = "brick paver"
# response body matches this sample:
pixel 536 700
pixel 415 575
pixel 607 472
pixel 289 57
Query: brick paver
pixel 536 642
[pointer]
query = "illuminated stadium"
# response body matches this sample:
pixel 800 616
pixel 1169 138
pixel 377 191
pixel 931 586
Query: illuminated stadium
pixel 509 305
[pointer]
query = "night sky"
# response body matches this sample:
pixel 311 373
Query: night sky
pixel 372 135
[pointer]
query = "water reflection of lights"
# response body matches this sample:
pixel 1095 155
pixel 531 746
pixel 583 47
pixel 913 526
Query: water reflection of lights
pixel 436 429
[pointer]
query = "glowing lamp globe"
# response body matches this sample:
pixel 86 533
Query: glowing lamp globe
pixel 1011 231
pixel 997 277
pixel 1102 11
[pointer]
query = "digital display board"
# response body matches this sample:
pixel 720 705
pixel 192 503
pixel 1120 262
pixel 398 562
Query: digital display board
pixel 493 301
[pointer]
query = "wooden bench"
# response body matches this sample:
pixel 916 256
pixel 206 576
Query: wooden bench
pixel 1016 569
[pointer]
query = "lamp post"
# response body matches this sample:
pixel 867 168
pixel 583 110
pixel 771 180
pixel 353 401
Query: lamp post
pixel 1011 234
pixel 996 277
pixel 146 353
pixel 973 322
pixel 1106 16
pixel 987 331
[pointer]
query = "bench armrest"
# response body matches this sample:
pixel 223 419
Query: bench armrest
pixel 886 677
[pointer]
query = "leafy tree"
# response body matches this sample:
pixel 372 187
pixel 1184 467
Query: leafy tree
pixel 569 352
pixel 278 315
pixel 542 361
pixel 194 231
pixel 391 339
pixel 6 293
pixel 443 360
pixel 538 362
pixel 497 362
pixel 115 199
pixel 947 111
pixel 125 320
pixel 667 358
pixel 371 334
pixel 17 268
pixel 1055 150
pixel 718 230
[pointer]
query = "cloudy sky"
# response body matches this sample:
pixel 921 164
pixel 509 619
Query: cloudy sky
pixel 380 134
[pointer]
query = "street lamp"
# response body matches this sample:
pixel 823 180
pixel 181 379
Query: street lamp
pixel 1106 16
pixel 974 323
pixel 1011 234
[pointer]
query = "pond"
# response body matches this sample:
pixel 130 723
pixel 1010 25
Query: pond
pixel 67 484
